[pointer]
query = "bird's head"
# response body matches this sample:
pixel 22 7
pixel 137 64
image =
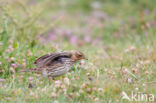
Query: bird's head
pixel 77 55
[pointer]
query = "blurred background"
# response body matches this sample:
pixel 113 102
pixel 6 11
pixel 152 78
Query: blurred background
pixel 77 22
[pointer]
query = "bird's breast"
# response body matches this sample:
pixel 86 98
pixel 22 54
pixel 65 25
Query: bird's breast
pixel 68 65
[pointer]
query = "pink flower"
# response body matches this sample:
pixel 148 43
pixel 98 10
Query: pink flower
pixel 30 79
pixel 29 53
pixel 52 36
pixel 58 83
pixel 7 50
pixel 73 40
pixel 13 65
pixel 24 64
pixel 87 39
pixel 22 76
pixel 82 62
pixel 67 81
pixel 12 59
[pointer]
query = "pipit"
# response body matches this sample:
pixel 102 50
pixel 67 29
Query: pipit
pixel 56 64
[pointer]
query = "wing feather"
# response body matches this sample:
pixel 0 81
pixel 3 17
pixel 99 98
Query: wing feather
pixel 41 58
pixel 52 59
pixel 47 59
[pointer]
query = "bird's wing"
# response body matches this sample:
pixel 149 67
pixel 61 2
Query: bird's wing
pixel 48 59
pixel 53 58
pixel 40 59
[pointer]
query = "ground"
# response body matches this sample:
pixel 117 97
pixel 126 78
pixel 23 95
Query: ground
pixel 117 36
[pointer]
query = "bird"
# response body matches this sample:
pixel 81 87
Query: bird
pixel 56 64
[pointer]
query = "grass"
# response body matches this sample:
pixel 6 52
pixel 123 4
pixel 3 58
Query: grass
pixel 118 37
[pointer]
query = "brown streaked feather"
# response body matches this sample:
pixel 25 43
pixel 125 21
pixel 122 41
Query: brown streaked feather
pixel 41 58
pixel 50 58
pixel 54 66
pixel 61 66
pixel 57 67
pixel 40 61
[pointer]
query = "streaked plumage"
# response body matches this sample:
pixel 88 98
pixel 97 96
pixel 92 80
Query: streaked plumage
pixel 56 64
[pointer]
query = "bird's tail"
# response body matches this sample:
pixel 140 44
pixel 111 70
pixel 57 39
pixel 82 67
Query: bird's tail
pixel 28 70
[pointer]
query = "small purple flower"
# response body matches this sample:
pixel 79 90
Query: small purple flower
pixel 10 47
pixel 42 39
pixel 22 76
pixel 87 39
pixel 52 36
pixel 73 40
pixel 13 65
pixel 30 79
pixel 147 11
pixel 7 50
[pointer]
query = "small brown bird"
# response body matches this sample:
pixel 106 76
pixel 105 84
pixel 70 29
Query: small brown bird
pixel 56 64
